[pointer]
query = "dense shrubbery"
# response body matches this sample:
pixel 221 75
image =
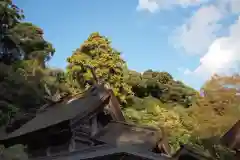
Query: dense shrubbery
pixel 18 150
pixel 152 98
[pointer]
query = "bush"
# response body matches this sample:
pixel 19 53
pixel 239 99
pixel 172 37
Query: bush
pixel 13 153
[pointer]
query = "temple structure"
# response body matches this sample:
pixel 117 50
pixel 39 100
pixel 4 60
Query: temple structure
pixel 231 139
pixel 91 126
pixel 82 122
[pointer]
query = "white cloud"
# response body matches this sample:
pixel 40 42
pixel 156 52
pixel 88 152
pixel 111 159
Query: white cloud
pixel 220 54
pixel 187 71
pixel 235 6
pixel 199 32
pixel 149 5
pixel 199 35
pixel 223 54
pixel 231 6
pixel 155 5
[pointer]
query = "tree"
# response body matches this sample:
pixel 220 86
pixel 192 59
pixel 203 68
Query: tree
pixel 222 92
pixel 21 40
pixel 166 119
pixel 10 15
pixel 97 52
pixel 209 126
pixel 26 83
pixel 161 85
pixel 34 46
pixel 139 87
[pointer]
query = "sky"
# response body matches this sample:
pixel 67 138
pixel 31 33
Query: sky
pixel 190 39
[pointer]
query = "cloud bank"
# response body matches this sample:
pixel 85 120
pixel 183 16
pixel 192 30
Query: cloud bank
pixel 156 5
pixel 199 35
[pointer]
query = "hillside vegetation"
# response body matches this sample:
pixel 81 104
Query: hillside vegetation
pixel 152 98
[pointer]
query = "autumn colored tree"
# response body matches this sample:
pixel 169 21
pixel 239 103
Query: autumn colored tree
pixel 216 111
pixel 98 53
pixel 27 83
pixel 222 92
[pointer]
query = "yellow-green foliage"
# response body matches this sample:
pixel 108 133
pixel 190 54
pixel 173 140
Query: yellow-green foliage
pixel 182 125
pixel 152 98
pixel 161 117
pixel 97 52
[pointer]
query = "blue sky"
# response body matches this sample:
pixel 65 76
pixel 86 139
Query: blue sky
pixel 151 34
